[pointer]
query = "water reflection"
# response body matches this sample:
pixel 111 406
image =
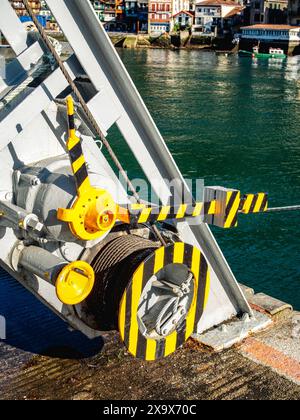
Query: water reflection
pixel 235 122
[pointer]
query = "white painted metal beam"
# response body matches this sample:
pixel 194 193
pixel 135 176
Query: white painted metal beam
pixel 12 28
pixel 106 71
pixel 35 103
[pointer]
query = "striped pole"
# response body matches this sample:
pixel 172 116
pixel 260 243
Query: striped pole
pixel 75 151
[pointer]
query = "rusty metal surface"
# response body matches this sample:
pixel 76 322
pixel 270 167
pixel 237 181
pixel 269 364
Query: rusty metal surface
pixel 41 359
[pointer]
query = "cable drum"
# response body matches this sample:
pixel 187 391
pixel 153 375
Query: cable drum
pixel 113 267
pixel 119 249
pixel 155 295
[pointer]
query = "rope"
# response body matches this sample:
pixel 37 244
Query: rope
pixel 85 108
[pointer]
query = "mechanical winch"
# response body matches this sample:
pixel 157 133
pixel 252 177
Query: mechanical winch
pixel 100 260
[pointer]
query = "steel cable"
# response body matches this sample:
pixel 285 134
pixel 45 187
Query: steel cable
pixel 85 108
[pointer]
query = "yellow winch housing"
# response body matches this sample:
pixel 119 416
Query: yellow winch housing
pixel 93 213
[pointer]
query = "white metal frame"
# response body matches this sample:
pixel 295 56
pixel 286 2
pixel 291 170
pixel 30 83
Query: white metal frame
pixel 117 102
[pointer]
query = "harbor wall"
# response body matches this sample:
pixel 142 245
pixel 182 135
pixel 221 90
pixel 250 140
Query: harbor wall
pixel 186 40
pixel 181 39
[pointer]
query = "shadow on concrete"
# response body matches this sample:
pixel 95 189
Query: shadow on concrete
pixel 32 327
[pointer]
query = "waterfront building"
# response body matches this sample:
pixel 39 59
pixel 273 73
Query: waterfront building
pixel 216 17
pixel 123 15
pixel 159 16
pixel 182 16
pixel 294 12
pixel 286 37
pixel 20 8
pixel 42 11
pixel 267 32
pixel 136 15
pixel 51 24
pixel 107 10
pixel 179 5
pixel 183 19
pixel 268 11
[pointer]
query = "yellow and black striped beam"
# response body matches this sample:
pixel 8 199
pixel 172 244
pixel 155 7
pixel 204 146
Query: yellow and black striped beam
pixel 145 214
pixel 254 203
pixel 153 349
pixel 233 201
pixel 226 210
pixel 75 151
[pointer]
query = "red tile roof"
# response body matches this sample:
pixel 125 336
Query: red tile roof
pixel 217 3
pixel 184 12
pixel 270 26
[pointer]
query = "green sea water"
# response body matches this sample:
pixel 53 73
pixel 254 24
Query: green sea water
pixel 234 123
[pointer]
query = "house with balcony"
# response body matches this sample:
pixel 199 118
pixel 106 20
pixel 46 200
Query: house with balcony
pixel 99 7
pixel 217 17
pixel 183 19
pixel 136 15
pixel 182 15
pixel 108 10
pixel 159 16
pixel 123 15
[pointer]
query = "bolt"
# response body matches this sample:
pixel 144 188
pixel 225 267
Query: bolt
pixel 35 182
pixel 35 225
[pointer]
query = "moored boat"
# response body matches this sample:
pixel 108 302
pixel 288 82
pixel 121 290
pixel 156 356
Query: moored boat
pixel 273 53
